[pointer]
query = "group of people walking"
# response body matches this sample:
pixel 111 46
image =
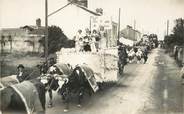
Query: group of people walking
pixel 137 53
pixel 129 54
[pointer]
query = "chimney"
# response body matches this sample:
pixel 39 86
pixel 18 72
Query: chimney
pixel 129 27
pixel 38 22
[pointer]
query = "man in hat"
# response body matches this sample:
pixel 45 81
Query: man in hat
pixel 21 76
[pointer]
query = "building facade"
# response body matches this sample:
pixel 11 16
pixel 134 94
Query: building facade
pixel 72 18
pixel 23 39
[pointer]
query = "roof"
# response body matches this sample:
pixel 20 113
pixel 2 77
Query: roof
pixel 27 29
pixel 34 29
pixel 12 31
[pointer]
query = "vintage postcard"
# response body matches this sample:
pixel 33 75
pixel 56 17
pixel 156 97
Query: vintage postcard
pixel 92 56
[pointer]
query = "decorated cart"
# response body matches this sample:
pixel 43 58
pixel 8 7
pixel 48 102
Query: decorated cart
pixel 104 64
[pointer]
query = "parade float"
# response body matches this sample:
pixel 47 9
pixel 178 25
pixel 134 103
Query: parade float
pixel 104 62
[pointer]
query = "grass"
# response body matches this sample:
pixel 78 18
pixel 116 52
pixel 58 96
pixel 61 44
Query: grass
pixel 9 64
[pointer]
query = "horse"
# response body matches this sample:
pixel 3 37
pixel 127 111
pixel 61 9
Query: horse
pixel 77 84
pixel 17 97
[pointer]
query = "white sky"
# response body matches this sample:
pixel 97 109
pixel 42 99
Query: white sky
pixel 150 15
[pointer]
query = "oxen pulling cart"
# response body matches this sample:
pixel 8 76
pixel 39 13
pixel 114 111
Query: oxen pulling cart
pixel 94 68
pixel 103 65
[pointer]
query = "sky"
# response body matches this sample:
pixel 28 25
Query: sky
pixel 150 15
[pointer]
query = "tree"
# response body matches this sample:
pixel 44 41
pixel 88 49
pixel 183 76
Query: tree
pixel 2 43
pixel 56 40
pixel 178 31
pixel 177 38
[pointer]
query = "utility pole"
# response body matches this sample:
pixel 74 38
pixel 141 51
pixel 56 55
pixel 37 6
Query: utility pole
pixel 134 29
pixel 167 27
pixel 46 26
pixel 90 27
pixel 119 17
pixel 1 59
pixel 46 30
pixel 134 24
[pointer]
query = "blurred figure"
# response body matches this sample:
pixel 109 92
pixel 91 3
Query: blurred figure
pixel 79 41
pixel 175 52
pixel 122 58
pixel 95 41
pixel 131 55
pixel 182 75
pixel 87 40
pixel 139 55
pixel 102 38
pixel 145 55
pixel 51 62
pixel 87 32
pixel 21 75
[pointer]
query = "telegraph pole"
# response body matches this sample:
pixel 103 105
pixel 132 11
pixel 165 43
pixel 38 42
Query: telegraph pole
pixel 167 27
pixel 2 55
pixel 119 17
pixel 134 28
pixel 134 24
pixel 46 31
pixel 46 25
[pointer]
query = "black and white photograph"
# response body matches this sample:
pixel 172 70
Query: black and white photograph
pixel 91 56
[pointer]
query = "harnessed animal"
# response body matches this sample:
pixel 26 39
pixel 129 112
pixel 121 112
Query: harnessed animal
pixel 54 79
pixel 77 84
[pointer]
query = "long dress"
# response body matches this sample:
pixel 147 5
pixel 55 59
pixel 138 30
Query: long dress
pixel 102 40
pixel 92 44
pixel 78 44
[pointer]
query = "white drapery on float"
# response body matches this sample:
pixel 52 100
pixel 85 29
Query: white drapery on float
pixel 103 63
pixel 126 41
